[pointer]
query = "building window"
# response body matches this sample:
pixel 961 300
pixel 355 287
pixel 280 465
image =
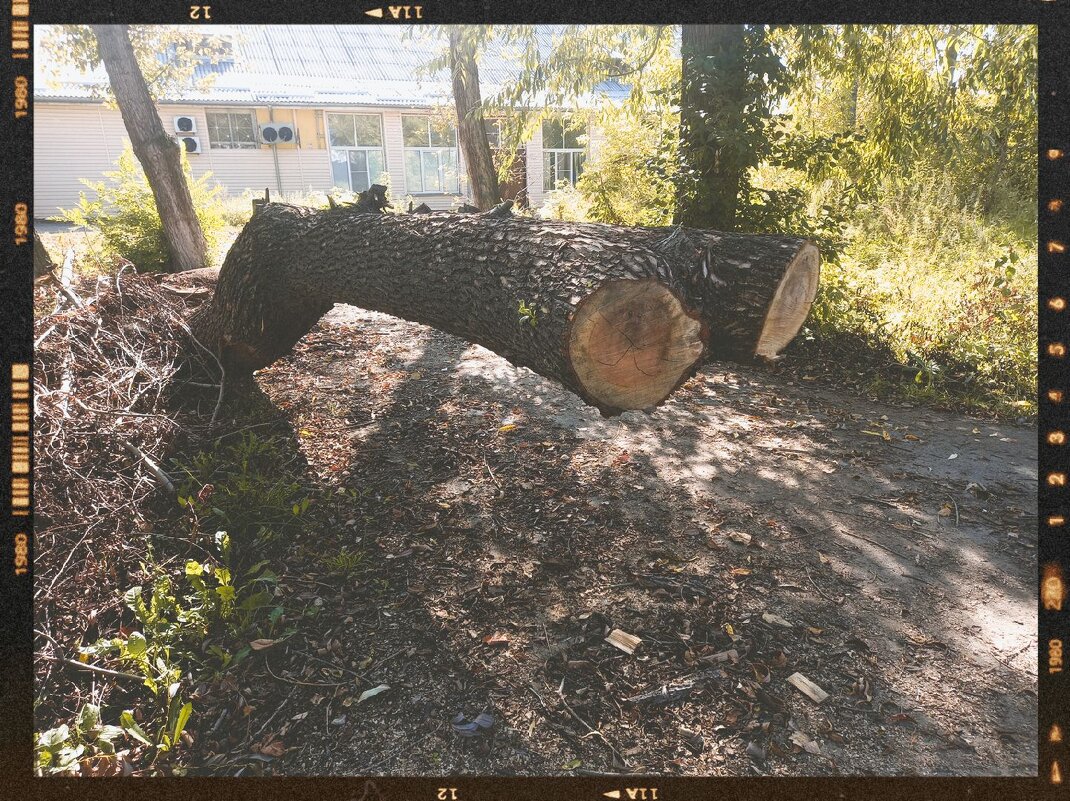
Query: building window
pixel 430 156
pixel 563 153
pixel 231 129
pixel 356 145
pixel 493 129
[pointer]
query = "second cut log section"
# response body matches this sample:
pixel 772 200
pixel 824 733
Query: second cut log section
pixel 620 316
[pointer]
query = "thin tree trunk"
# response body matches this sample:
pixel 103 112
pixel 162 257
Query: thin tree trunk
pixel 157 151
pixel 42 262
pixel 620 316
pixel 711 112
pixel 479 161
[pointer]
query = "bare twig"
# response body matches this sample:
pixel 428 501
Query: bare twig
pixel 154 468
pixel 950 498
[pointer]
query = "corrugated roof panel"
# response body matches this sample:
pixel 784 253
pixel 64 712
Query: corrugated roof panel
pixel 331 64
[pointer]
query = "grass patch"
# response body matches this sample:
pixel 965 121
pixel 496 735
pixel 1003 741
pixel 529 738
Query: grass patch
pixel 939 302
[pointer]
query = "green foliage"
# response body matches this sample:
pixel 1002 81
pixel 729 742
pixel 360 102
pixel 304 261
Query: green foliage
pixel 63 751
pixel 124 211
pixel 527 314
pixel 168 55
pixel 942 291
pixel 959 98
pixel 243 488
pixel 566 202
pixel 631 180
pixel 345 561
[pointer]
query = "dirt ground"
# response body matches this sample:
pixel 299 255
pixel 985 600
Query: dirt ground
pixel 758 525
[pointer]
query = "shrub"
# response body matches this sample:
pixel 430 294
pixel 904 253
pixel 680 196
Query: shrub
pixel 124 211
pixel 564 203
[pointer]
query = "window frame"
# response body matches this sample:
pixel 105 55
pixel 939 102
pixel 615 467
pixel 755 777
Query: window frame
pixel 230 144
pixel 347 149
pixel 550 154
pixel 437 151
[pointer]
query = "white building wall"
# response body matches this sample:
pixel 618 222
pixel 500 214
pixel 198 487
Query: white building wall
pixel 84 140
pixel 536 194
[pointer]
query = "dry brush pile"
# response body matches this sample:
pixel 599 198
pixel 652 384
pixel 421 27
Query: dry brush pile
pixel 106 359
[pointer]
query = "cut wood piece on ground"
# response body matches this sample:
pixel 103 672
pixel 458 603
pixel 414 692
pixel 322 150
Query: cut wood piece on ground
pixel 807 687
pixel 730 655
pixel 621 639
pixel 620 316
pixel 769 617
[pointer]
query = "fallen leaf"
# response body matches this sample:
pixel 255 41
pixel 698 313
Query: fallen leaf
pixel 507 427
pixel 945 510
pixel 572 764
pixel 496 639
pixel 260 645
pixel 374 691
pixel 740 571
pixel 805 743
pixel 274 749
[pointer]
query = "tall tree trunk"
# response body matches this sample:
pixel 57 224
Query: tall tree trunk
pixel 158 152
pixel 711 120
pixel 478 160
pixel 620 316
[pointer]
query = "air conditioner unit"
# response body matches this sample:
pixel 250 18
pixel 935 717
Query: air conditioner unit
pixel 185 124
pixel 192 144
pixel 276 133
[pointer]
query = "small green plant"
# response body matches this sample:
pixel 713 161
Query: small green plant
pixel 243 488
pixel 345 561
pixel 63 750
pixel 527 313
pixel 124 211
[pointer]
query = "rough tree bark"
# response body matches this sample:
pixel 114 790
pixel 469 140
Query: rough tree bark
pixel 711 105
pixel 42 262
pixel 478 159
pixel 158 152
pixel 620 316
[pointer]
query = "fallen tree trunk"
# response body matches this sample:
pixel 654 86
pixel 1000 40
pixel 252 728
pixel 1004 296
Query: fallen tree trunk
pixel 620 316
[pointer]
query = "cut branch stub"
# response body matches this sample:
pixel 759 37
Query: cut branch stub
pixel 632 343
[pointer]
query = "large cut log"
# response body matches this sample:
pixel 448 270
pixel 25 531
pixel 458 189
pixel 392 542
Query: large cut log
pixel 620 316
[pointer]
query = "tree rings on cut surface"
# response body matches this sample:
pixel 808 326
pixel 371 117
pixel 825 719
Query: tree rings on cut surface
pixel 791 302
pixel 632 343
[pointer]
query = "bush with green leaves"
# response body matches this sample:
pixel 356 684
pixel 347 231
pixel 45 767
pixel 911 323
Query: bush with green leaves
pixel 124 211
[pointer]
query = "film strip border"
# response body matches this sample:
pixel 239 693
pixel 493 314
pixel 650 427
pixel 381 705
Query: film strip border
pixel 16 382
pixel 1054 416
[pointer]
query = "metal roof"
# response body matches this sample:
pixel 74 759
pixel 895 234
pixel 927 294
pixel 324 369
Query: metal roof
pixel 323 65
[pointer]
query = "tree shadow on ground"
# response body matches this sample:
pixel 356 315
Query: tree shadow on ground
pixel 504 528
